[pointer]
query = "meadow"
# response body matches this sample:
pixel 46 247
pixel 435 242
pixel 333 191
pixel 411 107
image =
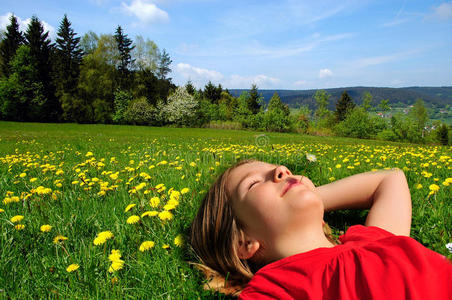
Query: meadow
pixel 102 211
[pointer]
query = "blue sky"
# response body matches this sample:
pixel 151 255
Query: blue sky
pixel 274 44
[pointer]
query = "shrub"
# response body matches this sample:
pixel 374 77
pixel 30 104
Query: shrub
pixel 224 125
pixel 140 112
pixel 180 108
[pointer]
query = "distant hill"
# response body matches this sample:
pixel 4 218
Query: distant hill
pixel 435 97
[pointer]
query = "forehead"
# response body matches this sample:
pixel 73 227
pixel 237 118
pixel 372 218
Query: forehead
pixel 239 173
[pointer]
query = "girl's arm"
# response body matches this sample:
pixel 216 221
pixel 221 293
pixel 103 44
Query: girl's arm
pixel 386 193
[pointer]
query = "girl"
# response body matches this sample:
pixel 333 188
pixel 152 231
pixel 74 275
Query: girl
pixel 261 226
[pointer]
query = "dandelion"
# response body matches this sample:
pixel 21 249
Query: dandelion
pixel 2 210
pixel 140 186
pixel 151 213
pixel 22 175
pixel 154 202
pixel 114 176
pixel 72 268
pixel 116 262
pixel 418 186
pixel 59 238
pixel 338 166
pixel 179 240
pixel 146 245
pixel 165 215
pixel 88 154
pixel 45 228
pixel 19 226
pixel 434 188
pixel 192 164
pixel 33 179
pixel 129 207
pixel 102 237
pixel 17 219
pixel 165 246
pixel 311 157
pixel 160 185
pixel 184 191
pixel 133 219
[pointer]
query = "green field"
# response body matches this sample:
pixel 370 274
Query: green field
pixel 82 179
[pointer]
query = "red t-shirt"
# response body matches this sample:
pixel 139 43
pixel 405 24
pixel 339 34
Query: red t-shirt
pixel 371 263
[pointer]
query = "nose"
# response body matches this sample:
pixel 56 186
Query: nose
pixel 281 172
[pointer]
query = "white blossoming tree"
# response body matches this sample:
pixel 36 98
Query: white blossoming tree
pixel 180 108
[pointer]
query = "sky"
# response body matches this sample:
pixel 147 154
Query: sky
pixel 284 44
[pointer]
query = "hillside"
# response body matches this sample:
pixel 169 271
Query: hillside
pixel 434 97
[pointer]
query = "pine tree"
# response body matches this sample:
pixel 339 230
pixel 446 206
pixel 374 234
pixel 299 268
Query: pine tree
pixel 254 100
pixel 164 63
pixel 41 49
pixel 125 48
pixel 275 104
pixel 67 66
pixel 343 106
pixel 190 88
pixel 9 45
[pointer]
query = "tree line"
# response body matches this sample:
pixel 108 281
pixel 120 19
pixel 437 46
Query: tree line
pixel 110 78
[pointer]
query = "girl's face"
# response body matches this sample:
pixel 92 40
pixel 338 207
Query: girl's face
pixel 271 202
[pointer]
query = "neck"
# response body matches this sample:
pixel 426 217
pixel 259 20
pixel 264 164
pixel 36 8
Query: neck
pixel 300 242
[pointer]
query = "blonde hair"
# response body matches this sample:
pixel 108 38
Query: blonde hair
pixel 215 232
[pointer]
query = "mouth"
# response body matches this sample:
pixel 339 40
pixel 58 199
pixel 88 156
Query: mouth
pixel 290 184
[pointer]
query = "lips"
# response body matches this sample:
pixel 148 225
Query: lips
pixel 290 183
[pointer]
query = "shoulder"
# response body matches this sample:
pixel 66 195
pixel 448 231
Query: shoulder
pixel 358 233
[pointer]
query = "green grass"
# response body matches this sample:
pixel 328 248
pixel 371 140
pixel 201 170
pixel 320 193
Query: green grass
pixel 33 266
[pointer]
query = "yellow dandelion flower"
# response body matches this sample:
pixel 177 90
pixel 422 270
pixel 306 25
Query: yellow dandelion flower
pixel 175 195
pixel 102 237
pixel 151 213
pixel 2 210
pixel 116 265
pixel 179 240
pixel 19 226
pixel 418 186
pixel 154 202
pixel 133 219
pixel 59 238
pixel 338 166
pixel 192 164
pixel 140 186
pixel 158 186
pixel 165 246
pixel 434 188
pixel 88 154
pixel 129 207
pixel 33 179
pixel 114 255
pixel 169 207
pixel 72 268
pixel 22 175
pixel 332 178
pixel 184 191
pixel 17 219
pixel 45 228
pixel 165 215
pixel 146 245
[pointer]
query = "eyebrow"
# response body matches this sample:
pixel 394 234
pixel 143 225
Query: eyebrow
pixel 248 175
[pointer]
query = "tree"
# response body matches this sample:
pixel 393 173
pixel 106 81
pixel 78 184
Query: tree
pixel 88 43
pixel 180 108
pixel 254 100
pixel 384 105
pixel 190 88
pixel 12 40
pixel 125 48
pixel 343 106
pixel 67 66
pixel 163 66
pixel 212 93
pixel 42 49
pixel 443 134
pixel 321 98
pixel 145 55
pixel 367 101
pixel 275 104
pixel 420 115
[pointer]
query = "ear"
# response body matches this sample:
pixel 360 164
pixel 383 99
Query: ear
pixel 247 247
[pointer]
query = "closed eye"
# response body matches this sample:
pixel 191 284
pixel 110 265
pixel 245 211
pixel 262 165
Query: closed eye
pixel 251 185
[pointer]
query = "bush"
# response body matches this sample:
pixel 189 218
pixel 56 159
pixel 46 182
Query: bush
pixel 442 134
pixel 386 135
pixel 356 124
pixel 121 102
pixel 224 125
pixel 140 112
pixel 180 108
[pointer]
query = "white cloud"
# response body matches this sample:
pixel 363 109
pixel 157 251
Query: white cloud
pixel 145 11
pixel 394 22
pixel 325 73
pixel 377 60
pixel 200 77
pixel 444 11
pixel 23 24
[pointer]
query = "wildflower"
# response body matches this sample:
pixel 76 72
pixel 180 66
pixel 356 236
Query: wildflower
pixel 89 153
pixel 46 228
pixel 434 188
pixel 102 237
pixel 2 210
pixel 151 213
pixel 179 240
pixel 418 186
pixel 169 207
pixel 192 164
pixel 160 185
pixel 114 176
pixel 22 175
pixel 133 219
pixel 17 219
pixel 59 238
pixel 154 202
pixel 449 247
pixel 72 268
pixel 311 157
pixel 19 226
pixel 175 195
pixel 165 246
pixel 114 255
pixel 33 179
pixel 146 245
pixel 332 178
pixel 116 262
pixel 114 280
pixel 165 215
pixel 338 166
pixel 140 186
pixel 184 191
pixel 129 207
pixel 74 182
